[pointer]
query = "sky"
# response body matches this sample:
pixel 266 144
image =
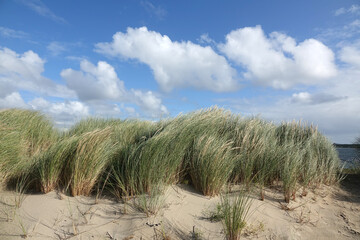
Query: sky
pixel 277 60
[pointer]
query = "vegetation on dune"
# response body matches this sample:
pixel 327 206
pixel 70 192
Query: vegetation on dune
pixel 234 213
pixel 210 147
pixel 23 136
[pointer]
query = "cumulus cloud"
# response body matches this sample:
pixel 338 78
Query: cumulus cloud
pixel 350 54
pixel 149 103
pixel 174 64
pixel 64 113
pixel 12 100
pixel 334 107
pixel 24 72
pixel 96 83
pixel 277 60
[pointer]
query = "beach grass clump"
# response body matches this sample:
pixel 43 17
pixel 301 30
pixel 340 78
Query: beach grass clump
pixel 75 163
pixel 325 154
pixel 93 152
pixel 308 158
pixel 118 161
pixel 49 168
pixel 251 140
pixel 211 164
pixel 234 213
pixel 34 127
pixel 140 166
pixel 289 174
pixel 23 135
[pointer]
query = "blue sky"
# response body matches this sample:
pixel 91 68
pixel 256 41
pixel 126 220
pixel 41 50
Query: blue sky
pixel 280 60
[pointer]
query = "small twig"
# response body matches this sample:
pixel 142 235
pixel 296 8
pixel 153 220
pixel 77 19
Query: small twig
pixel 286 208
pixel 111 237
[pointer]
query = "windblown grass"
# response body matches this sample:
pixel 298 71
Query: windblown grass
pixel 211 164
pixel 211 147
pixel 23 135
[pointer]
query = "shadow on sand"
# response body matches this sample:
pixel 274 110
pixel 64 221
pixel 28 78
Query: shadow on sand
pixel 351 187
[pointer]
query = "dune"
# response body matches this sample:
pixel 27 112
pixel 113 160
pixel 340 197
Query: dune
pixel 325 213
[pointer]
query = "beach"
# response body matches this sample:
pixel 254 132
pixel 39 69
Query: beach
pixel 325 213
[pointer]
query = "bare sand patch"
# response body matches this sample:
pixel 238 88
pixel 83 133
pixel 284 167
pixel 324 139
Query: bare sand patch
pixel 325 213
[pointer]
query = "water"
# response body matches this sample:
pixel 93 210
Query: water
pixel 348 155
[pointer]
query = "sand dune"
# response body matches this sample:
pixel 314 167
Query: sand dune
pixel 325 213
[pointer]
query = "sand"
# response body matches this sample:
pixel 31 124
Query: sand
pixel 325 213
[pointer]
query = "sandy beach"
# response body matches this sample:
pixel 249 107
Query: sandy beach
pixel 325 213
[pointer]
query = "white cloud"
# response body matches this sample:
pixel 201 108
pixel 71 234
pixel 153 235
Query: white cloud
pixel 334 107
pixel 63 113
pixel 149 103
pixel 174 64
pixel 13 100
pixel 277 60
pixel 94 82
pixel 98 84
pixel 24 72
pixel 11 33
pixel 40 8
pixel 56 48
pixel 350 54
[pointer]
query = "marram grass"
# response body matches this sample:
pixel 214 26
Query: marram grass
pixel 211 147
pixel 23 135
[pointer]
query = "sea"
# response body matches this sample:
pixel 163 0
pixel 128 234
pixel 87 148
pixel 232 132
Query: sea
pixel 348 155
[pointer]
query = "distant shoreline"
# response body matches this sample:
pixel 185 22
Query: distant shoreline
pixel 347 145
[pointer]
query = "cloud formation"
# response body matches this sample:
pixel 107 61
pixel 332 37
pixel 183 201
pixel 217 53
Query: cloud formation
pixel 174 64
pixel 12 100
pixel 24 72
pixel 350 54
pixel 64 113
pixel 94 82
pixel 312 99
pixel 101 83
pixel 277 60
